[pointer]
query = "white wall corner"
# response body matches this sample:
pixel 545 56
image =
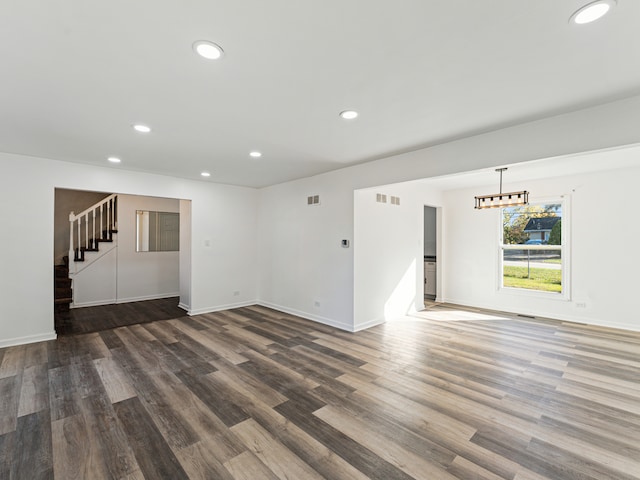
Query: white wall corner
pixel 217 308
pixel 372 323
pixel 316 318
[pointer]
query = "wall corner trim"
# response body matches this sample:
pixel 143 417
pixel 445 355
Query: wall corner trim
pixel 217 308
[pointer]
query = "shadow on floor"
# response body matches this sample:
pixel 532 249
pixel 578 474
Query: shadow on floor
pixel 105 317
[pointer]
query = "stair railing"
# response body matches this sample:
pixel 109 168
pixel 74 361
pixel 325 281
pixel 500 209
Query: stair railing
pixel 91 226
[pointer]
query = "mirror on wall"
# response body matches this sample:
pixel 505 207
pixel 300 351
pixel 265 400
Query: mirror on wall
pixel 157 231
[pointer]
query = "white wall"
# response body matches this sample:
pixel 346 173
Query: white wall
pixel 223 214
pixel 389 260
pixel 144 275
pixel 300 256
pixel 97 283
pixel 603 250
pixel 185 254
pixel 125 275
pixel 303 268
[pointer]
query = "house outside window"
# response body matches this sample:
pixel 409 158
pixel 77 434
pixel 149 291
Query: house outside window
pixel 539 228
pixel 533 249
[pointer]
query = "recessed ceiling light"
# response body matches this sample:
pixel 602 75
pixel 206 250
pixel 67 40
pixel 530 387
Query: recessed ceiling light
pixel 114 159
pixel 205 174
pixel 141 128
pixel 592 11
pixel 208 50
pixel 255 154
pixel 349 114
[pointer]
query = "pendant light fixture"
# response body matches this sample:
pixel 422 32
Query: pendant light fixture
pixel 501 200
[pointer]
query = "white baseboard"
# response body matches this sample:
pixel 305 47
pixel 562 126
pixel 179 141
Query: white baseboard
pixel 308 316
pixel 92 304
pixel 43 337
pixel 554 316
pixel 184 307
pixel 369 324
pixel 114 301
pixel 217 308
pixel 157 296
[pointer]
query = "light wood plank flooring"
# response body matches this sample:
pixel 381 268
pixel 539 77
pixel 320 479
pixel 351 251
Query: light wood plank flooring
pixel 252 393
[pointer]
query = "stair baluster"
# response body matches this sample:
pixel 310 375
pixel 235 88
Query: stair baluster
pixel 106 211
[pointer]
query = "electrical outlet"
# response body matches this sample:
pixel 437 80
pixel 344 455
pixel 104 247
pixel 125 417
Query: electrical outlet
pixel 581 305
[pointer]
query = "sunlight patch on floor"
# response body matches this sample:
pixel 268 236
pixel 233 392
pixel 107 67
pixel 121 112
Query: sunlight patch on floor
pixel 456 316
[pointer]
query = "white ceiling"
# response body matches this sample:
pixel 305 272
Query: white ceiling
pixel 76 74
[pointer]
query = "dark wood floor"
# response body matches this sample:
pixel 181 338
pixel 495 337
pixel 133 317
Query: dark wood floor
pixel 254 394
pixel 105 317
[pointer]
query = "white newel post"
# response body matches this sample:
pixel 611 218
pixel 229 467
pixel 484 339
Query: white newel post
pixel 71 250
pixel 108 219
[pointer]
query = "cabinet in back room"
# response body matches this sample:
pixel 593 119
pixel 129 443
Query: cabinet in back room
pixel 430 267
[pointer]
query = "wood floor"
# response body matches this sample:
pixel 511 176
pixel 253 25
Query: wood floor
pixel 104 317
pixel 252 394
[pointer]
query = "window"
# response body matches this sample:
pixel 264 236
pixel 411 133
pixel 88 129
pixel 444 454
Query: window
pixel 533 252
pixel 157 231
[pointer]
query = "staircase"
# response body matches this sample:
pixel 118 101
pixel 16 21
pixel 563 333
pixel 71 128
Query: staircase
pixel 88 230
pixel 93 245
pixel 63 294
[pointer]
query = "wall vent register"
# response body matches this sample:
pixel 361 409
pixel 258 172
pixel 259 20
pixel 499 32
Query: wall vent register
pixel 382 198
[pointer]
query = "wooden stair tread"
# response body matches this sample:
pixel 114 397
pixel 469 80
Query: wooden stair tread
pixel 61 271
pixel 62 292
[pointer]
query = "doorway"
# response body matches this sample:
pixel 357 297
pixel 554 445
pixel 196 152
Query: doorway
pixel 118 272
pixel 430 252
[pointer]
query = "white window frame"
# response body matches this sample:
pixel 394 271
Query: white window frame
pixel 565 252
